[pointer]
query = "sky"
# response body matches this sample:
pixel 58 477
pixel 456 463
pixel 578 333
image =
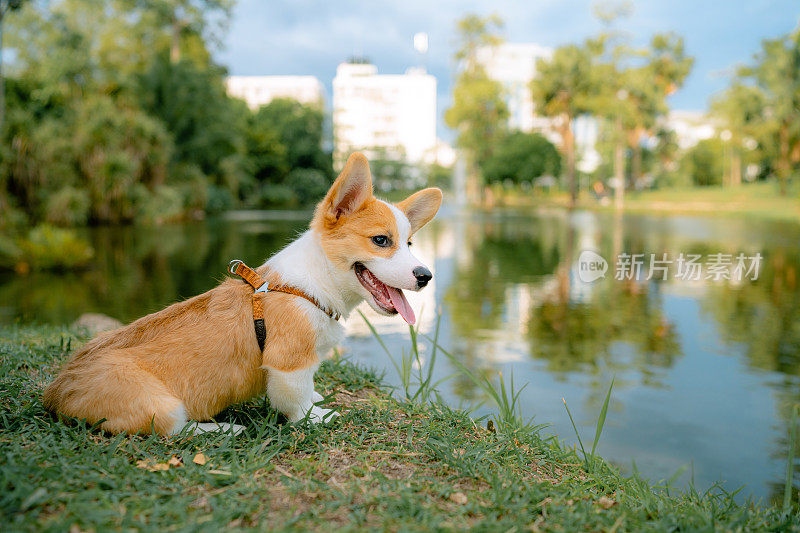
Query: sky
pixel 313 37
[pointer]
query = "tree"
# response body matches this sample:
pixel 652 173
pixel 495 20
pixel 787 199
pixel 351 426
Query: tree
pixel 300 130
pixel 666 70
pixel 563 90
pixel 285 154
pixel 100 118
pixel 741 109
pixel 632 89
pixel 479 111
pixel 703 162
pixel 5 7
pixel 184 27
pixel 206 124
pixel 522 157
pixel 267 159
pixel 776 72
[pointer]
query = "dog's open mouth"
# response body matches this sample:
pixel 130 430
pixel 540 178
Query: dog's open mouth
pixel 388 298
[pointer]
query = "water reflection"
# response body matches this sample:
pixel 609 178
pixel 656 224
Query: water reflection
pixel 706 372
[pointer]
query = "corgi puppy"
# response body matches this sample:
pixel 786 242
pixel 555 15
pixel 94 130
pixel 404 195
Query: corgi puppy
pixel 188 362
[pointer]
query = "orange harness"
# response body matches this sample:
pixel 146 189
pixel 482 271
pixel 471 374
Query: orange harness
pixel 261 286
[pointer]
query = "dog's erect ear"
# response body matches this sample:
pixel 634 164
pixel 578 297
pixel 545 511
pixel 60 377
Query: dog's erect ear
pixel 351 189
pixel 421 207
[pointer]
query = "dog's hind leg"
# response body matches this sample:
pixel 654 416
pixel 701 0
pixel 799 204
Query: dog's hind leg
pixel 116 390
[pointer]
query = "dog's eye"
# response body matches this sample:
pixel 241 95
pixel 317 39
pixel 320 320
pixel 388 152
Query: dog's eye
pixel 381 240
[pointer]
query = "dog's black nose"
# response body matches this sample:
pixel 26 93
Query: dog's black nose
pixel 423 276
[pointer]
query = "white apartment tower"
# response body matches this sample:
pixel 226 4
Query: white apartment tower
pixel 261 90
pixel 514 66
pixel 383 115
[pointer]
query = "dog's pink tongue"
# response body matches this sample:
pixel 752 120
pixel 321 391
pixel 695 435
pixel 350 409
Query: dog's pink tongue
pixel 401 304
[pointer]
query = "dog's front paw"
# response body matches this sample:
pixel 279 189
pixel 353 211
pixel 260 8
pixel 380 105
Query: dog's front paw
pixel 316 397
pixel 319 415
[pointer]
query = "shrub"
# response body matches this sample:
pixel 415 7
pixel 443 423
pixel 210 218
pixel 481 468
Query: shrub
pixel 161 205
pixel 703 162
pixel 308 184
pixel 521 157
pixel 67 207
pixel 219 199
pixel 272 195
pixel 117 149
pixel 45 247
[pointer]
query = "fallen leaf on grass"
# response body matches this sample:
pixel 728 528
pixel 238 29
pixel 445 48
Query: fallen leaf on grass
pixel 605 502
pixel 200 459
pixel 174 461
pixel 459 498
pixel 152 467
pixel 284 472
pixel 220 472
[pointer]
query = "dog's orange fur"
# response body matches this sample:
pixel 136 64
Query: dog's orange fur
pixel 201 352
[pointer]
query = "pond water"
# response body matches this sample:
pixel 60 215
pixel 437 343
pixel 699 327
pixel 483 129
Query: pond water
pixel 706 370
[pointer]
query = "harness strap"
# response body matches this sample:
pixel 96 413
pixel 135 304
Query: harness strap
pixel 260 285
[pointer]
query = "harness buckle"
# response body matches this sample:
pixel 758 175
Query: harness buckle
pixel 233 265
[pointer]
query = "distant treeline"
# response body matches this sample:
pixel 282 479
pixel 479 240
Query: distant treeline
pixel 625 88
pixel 115 112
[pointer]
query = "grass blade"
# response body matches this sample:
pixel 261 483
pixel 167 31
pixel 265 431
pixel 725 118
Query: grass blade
pixel 380 341
pixel 585 457
pixel 787 488
pixel 602 419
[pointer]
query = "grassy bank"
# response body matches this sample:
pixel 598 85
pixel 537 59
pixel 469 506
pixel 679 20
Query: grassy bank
pixel 388 462
pixel 758 200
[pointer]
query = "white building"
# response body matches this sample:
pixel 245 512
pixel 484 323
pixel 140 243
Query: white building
pixel 261 90
pixel 513 65
pixel 384 115
pixel 690 127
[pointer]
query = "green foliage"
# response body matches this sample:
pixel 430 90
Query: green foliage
pixel 219 199
pixel 286 159
pixel 162 204
pixel 521 157
pixel 631 89
pixel 479 109
pixel 205 124
pixel 703 163
pixel 115 149
pixel 271 195
pixel 478 113
pixel 300 129
pixel 69 206
pixel 119 114
pixel 563 89
pixel 440 176
pixel 268 158
pixel 309 184
pixel 44 247
pixel 761 109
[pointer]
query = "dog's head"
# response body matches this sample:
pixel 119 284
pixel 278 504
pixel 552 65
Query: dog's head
pixel 372 238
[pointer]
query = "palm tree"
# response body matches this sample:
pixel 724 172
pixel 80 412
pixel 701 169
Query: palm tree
pixel 561 91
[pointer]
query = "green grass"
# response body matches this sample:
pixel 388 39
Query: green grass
pixel 394 460
pixel 757 200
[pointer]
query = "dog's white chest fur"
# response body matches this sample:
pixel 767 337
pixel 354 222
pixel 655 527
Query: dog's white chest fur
pixel 303 264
